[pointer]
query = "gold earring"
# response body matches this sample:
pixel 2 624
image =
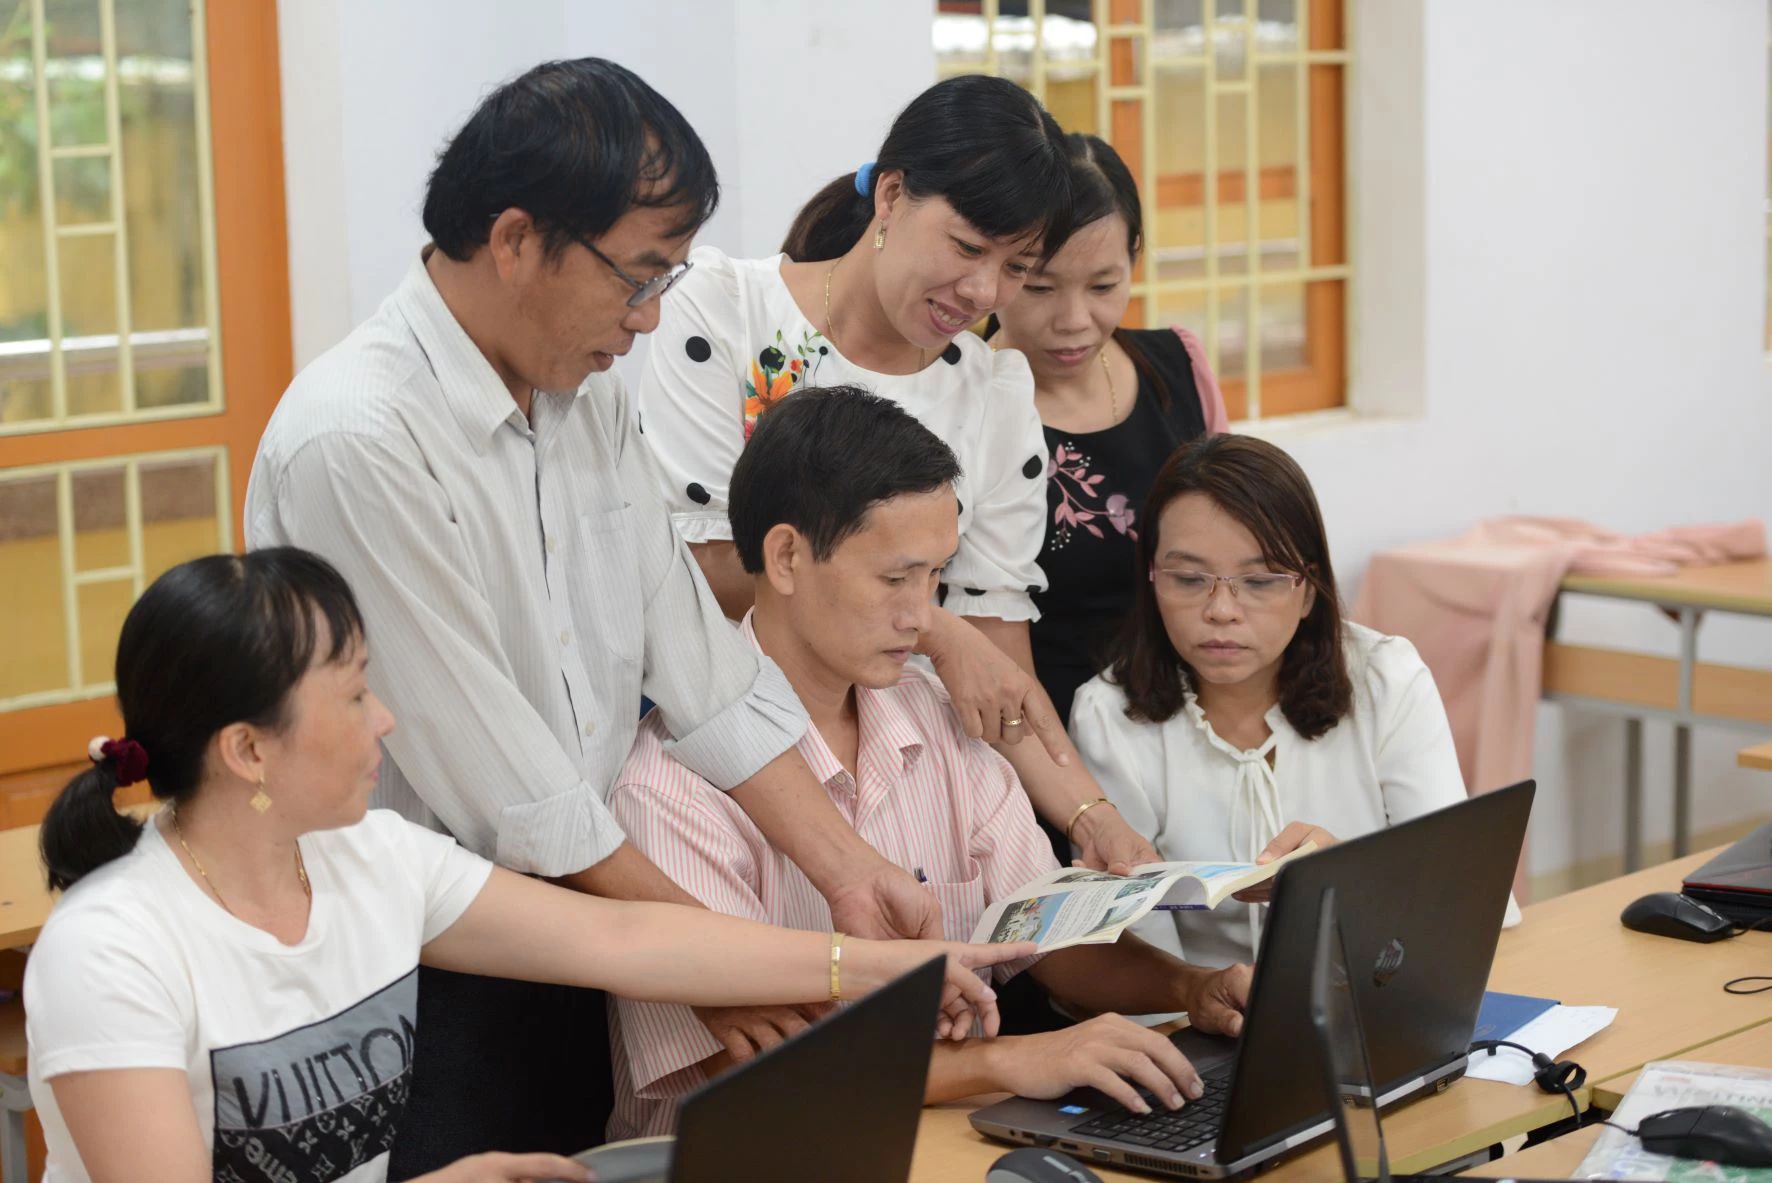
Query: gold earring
pixel 880 237
pixel 261 800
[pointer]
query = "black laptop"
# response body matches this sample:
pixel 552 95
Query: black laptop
pixel 1738 882
pixel 1422 904
pixel 840 1100
pixel 1341 1052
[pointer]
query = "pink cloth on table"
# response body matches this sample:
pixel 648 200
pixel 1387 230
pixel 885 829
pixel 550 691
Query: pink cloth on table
pixel 1475 607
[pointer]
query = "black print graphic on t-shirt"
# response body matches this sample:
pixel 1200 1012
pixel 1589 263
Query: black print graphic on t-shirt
pixel 316 1103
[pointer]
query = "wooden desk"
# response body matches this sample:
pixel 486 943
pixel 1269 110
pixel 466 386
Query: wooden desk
pixel 24 898
pixel 1759 756
pixel 1744 587
pixel 1683 690
pixel 1556 1159
pixel 1748 1049
pixel 1571 948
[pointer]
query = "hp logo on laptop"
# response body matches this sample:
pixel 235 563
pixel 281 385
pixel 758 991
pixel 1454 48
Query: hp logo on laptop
pixel 1389 963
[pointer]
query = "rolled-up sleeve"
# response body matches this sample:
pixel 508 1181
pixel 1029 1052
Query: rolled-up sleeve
pixel 470 744
pixel 729 709
pixel 996 570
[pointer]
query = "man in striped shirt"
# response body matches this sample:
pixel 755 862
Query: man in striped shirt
pixel 843 511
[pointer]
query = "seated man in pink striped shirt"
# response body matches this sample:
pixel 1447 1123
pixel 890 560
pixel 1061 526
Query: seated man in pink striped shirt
pixel 844 510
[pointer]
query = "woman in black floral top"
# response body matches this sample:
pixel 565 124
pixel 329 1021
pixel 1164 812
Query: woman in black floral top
pixel 1113 402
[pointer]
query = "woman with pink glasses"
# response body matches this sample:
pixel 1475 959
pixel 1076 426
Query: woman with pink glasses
pixel 1239 702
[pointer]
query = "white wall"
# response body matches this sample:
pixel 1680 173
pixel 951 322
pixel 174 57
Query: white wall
pixel 1559 220
pixel 372 90
pixel 1557 217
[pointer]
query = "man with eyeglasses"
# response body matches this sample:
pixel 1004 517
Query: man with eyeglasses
pixel 469 464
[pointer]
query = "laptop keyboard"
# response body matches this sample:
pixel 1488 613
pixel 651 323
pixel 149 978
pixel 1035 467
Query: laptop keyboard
pixel 1194 1124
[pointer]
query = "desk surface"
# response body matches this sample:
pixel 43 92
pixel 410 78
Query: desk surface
pixel 1556 1159
pixel 1748 1049
pixel 24 898
pixel 1731 587
pixel 1758 756
pixel 1571 948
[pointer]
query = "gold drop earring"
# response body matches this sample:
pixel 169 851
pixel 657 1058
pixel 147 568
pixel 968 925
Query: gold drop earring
pixel 880 237
pixel 261 800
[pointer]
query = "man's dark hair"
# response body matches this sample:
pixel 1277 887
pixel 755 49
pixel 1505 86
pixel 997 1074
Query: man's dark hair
pixel 576 144
pixel 821 458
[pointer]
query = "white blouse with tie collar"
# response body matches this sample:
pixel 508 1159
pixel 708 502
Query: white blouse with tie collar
pixel 1197 797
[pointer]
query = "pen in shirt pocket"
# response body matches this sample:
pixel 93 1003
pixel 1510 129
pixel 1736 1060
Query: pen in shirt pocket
pixel 921 878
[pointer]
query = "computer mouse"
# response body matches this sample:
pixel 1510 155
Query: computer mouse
pixel 1710 1133
pixel 1670 914
pixel 1032 1164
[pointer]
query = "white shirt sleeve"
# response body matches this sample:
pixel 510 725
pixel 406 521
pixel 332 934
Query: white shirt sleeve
pixel 1126 758
pixel 449 874
pixel 996 569
pixel 1417 762
pixel 729 708
pixel 101 993
pixel 692 396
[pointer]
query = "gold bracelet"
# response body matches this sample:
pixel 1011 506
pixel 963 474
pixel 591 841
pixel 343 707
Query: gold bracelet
pixel 1081 810
pixel 836 962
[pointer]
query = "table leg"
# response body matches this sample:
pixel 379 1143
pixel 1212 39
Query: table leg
pixel 1683 734
pixel 1682 790
pixel 15 1100
pixel 1633 794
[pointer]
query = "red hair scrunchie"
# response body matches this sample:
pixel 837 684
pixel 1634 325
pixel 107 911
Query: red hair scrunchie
pixel 128 759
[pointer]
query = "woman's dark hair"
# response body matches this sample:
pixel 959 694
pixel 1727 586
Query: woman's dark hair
pixel 1102 185
pixel 1268 494
pixel 576 144
pixel 215 641
pixel 820 459
pixel 983 144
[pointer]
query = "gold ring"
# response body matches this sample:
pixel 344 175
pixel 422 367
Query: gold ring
pixel 1012 722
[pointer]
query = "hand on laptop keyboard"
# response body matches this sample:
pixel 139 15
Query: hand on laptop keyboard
pixel 1162 1129
pixel 1109 1053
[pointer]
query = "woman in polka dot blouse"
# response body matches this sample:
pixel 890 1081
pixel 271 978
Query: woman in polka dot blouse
pixel 880 278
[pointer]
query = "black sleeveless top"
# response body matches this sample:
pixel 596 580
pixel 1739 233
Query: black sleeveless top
pixel 1095 492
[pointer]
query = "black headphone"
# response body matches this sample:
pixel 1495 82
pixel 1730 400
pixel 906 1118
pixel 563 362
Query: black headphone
pixel 1552 1076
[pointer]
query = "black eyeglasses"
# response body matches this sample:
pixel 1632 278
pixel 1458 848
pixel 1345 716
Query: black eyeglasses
pixel 644 289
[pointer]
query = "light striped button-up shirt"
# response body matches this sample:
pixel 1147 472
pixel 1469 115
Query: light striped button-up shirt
pixel 927 797
pixel 522 584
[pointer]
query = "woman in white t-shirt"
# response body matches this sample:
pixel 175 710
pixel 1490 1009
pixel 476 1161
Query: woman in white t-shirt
pixel 880 277
pixel 1239 702
pixel 229 990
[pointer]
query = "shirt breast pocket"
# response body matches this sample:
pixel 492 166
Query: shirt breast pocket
pixel 962 903
pixel 607 579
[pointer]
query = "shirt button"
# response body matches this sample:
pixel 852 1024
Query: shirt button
pixel 590 727
pixel 565 636
pixel 553 544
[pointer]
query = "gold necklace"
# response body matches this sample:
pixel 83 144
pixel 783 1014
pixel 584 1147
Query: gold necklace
pixel 301 868
pixel 830 325
pixel 1113 397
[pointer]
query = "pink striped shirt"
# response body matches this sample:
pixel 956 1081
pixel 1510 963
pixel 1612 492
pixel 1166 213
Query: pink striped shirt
pixel 927 797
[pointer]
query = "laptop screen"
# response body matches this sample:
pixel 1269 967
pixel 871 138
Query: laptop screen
pixel 1341 1043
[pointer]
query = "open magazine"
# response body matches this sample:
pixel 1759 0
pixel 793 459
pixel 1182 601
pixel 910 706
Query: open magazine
pixel 1077 907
